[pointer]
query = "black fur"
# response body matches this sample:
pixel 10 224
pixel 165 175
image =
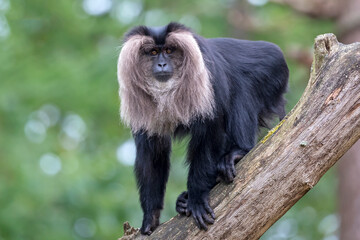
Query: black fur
pixel 249 79
pixel 152 170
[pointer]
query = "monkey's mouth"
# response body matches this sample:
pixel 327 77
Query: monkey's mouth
pixel 163 76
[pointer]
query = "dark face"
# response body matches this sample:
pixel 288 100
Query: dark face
pixel 162 66
pixel 162 57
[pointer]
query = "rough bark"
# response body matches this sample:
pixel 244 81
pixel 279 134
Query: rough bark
pixel 288 162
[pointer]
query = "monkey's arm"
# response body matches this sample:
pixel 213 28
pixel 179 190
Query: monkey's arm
pixel 152 170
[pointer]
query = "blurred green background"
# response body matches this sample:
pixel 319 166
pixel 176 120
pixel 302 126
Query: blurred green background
pixel 66 159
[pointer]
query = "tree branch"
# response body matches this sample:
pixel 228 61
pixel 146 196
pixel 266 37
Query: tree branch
pixel 283 166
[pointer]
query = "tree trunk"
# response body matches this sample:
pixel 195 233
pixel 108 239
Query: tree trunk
pixel 349 194
pixel 288 162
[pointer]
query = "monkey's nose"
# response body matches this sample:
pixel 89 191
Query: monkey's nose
pixel 162 67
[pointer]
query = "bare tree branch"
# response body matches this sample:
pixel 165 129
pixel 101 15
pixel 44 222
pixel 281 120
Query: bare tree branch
pixel 283 166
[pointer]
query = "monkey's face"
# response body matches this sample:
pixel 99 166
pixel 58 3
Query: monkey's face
pixel 162 61
pixel 162 67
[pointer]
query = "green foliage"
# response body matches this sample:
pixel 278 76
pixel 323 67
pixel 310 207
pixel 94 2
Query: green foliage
pixel 64 167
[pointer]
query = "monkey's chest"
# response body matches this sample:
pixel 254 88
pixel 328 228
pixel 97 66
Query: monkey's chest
pixel 168 115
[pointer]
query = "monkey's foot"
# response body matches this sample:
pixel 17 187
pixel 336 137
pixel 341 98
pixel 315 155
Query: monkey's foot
pixel 226 166
pixel 181 203
pixel 150 222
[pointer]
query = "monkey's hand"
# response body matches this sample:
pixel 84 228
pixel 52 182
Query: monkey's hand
pixel 200 210
pixel 226 165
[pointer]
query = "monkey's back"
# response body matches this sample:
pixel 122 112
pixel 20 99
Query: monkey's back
pixel 255 69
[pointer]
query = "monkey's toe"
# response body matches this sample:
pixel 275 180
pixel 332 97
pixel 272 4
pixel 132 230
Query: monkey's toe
pixel 150 222
pixel 181 203
pixel 146 230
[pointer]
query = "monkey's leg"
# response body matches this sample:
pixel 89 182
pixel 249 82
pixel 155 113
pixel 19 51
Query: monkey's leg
pixel 226 165
pixel 243 126
pixel 152 170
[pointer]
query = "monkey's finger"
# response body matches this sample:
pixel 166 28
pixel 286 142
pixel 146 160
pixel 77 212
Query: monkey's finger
pixel 183 195
pixel 208 219
pixel 181 210
pixel 182 204
pixel 237 157
pixel 201 223
pixel 197 222
pixel 188 213
pixel 230 176
pixel 209 210
pixel 181 200
pixel 233 170
pixel 221 169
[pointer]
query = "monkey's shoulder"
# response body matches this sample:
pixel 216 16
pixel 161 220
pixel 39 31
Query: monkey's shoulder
pixel 243 47
pixel 240 42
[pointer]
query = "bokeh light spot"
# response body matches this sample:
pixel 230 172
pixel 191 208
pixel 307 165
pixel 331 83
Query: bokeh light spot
pixel 4 5
pixel 73 131
pixel 329 224
pixel 156 17
pixel 35 131
pixel 85 227
pixel 127 11
pixel 50 164
pixel 97 7
pixel 258 2
pixel 126 153
pixel 4 28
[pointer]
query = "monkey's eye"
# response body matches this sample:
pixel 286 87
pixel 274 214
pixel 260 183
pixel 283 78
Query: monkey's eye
pixel 168 50
pixel 153 52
